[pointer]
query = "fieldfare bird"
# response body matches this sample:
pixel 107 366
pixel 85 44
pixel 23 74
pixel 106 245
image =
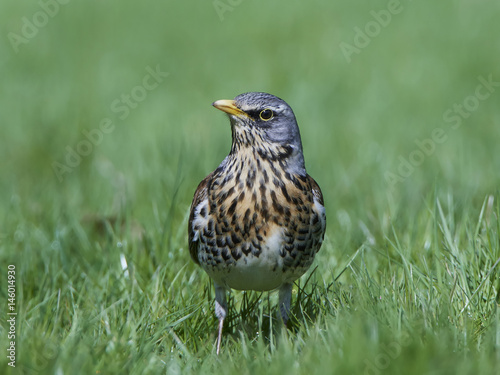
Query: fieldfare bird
pixel 258 220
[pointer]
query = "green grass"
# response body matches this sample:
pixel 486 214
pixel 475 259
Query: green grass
pixel 407 280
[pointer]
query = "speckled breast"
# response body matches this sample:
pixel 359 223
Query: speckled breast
pixel 260 227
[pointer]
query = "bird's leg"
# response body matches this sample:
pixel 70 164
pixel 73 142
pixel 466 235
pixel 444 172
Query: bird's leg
pixel 285 297
pixel 220 310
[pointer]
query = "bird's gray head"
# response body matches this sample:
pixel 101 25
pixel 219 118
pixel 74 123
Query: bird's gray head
pixel 267 124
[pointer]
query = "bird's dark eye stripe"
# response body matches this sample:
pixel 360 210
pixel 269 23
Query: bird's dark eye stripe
pixel 253 113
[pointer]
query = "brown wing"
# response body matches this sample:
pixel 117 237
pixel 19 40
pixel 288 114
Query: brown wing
pixel 200 195
pixel 319 207
pixel 316 190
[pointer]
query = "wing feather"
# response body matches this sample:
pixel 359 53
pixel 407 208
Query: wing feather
pixel 319 207
pixel 200 198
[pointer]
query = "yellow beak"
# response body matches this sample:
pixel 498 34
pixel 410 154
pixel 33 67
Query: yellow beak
pixel 229 106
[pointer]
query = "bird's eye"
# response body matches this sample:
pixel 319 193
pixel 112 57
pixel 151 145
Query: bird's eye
pixel 266 114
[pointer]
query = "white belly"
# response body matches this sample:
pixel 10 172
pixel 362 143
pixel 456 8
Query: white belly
pixel 261 273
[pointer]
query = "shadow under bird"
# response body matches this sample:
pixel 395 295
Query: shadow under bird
pixel 258 220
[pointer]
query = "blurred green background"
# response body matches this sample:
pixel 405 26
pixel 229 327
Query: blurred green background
pixel 359 115
pixel 356 118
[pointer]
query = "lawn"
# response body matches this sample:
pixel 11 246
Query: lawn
pixel 106 128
